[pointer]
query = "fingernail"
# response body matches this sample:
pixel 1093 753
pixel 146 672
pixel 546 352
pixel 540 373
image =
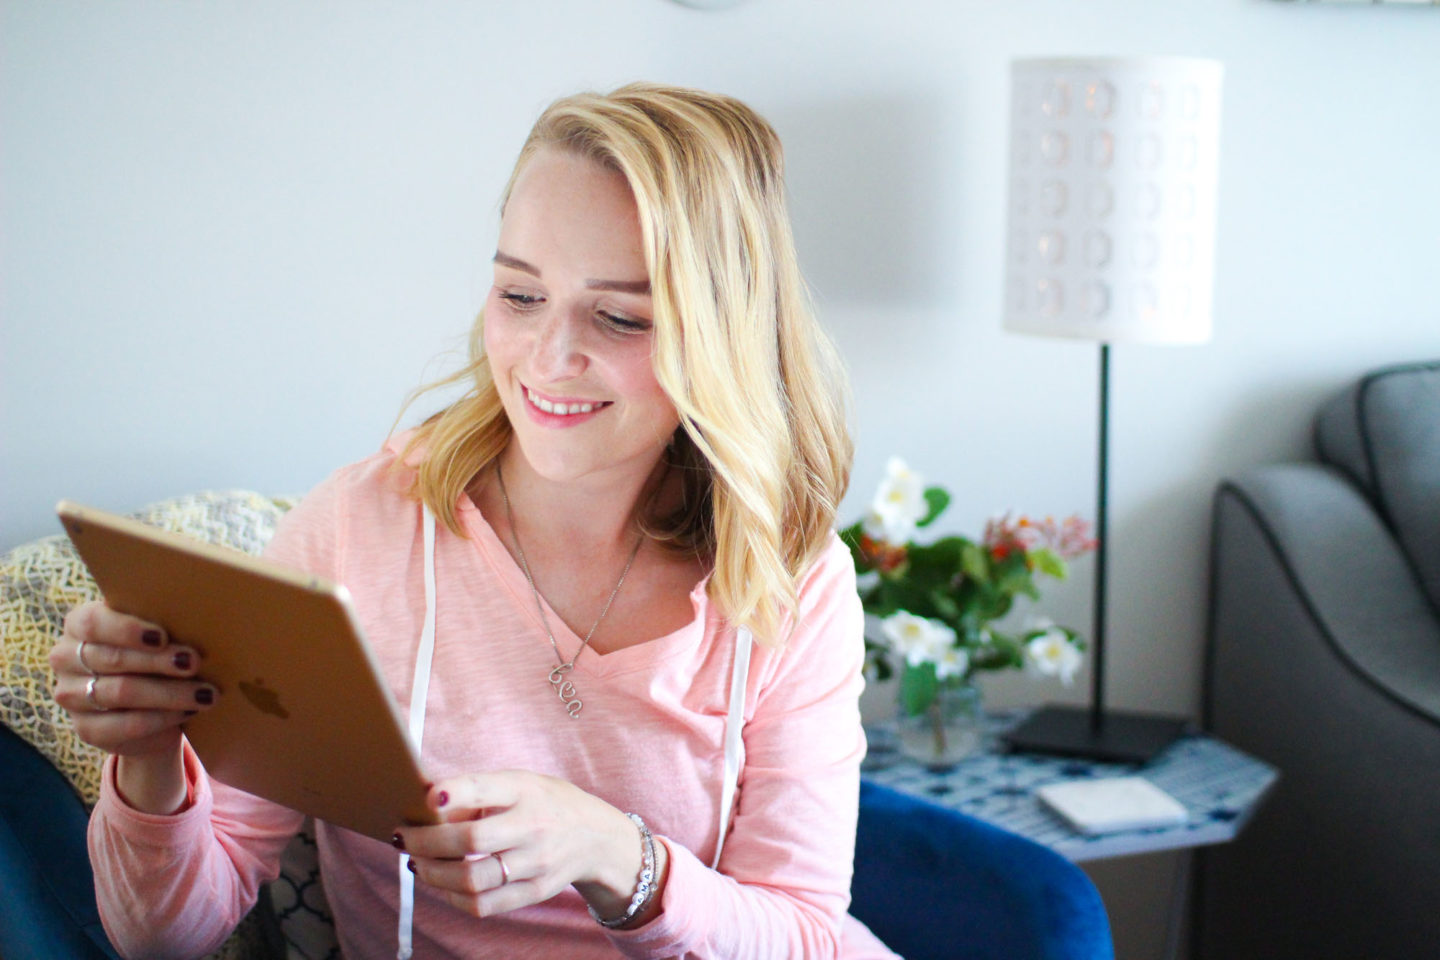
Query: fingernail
pixel 151 638
pixel 205 696
pixel 398 842
pixel 411 865
pixel 181 660
pixel 442 798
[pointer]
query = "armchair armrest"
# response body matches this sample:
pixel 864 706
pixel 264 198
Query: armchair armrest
pixel 1346 573
pixel 938 885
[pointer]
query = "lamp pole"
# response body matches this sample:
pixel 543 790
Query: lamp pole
pixel 1102 538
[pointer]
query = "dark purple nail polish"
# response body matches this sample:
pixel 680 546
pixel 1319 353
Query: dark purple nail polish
pixel 398 842
pixel 191 713
pixel 411 865
pixel 181 660
pixel 151 638
pixel 205 696
pixel 442 799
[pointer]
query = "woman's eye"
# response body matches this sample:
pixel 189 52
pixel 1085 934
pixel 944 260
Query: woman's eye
pixel 521 301
pixel 623 324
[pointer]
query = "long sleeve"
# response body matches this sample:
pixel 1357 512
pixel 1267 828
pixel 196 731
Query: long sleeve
pixel 176 886
pixel 784 879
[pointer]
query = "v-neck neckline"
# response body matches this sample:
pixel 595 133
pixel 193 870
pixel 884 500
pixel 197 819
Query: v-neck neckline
pixel 624 660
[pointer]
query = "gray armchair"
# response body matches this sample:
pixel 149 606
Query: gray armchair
pixel 1323 658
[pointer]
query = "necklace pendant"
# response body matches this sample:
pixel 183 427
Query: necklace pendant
pixel 565 689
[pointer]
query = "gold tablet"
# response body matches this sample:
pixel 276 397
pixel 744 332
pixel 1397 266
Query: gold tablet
pixel 304 717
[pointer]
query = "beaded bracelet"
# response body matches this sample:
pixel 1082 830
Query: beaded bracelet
pixel 644 886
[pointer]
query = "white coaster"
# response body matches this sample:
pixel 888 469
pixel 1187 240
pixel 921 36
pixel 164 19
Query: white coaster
pixel 1113 804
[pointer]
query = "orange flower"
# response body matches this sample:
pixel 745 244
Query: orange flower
pixel 883 556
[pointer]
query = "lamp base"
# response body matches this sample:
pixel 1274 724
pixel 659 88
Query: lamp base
pixel 1119 737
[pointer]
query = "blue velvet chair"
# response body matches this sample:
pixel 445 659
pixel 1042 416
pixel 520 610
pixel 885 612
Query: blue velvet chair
pixel 47 892
pixel 938 885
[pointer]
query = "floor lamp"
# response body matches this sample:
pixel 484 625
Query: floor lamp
pixel 1113 167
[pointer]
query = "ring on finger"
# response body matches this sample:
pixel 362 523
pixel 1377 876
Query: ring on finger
pixel 90 696
pixel 504 870
pixel 80 655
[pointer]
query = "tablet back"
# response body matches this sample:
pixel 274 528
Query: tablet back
pixel 304 717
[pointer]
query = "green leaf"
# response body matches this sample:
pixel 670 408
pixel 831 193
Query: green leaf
pixel 1007 650
pixel 915 594
pixel 1049 563
pixel 945 605
pixel 937 500
pixel 975 561
pixel 938 563
pixel 1014 577
pixel 918 688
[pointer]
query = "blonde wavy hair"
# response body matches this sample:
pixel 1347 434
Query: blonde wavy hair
pixel 762 450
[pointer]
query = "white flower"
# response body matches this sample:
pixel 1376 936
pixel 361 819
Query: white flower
pixel 898 506
pixel 1052 654
pixel 952 663
pixel 919 640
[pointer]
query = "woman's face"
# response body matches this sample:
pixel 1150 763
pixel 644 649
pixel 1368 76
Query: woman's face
pixel 568 324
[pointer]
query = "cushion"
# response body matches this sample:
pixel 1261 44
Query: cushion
pixel 39 584
pixel 1384 433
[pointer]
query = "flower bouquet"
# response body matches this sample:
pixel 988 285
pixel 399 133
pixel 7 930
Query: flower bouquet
pixel 939 603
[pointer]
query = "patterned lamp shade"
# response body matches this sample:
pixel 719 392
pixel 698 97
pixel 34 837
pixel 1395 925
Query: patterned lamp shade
pixel 1113 169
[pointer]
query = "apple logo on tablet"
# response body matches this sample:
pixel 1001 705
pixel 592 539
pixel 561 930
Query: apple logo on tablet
pixel 263 698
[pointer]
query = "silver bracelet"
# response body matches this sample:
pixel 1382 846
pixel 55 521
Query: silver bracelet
pixel 644 886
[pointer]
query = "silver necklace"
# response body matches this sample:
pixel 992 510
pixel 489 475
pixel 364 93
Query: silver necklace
pixel 564 687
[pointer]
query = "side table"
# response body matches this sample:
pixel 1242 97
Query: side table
pixel 1220 786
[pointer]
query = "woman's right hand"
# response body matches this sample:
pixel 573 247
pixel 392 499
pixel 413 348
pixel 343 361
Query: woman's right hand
pixel 127 690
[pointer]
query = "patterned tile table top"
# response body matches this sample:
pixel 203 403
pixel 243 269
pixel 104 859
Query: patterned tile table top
pixel 1219 785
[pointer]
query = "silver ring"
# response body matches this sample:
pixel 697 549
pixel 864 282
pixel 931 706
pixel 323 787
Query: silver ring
pixel 80 655
pixel 90 696
pixel 504 870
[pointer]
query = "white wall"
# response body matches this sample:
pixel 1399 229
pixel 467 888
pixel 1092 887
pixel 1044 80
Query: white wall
pixel 234 235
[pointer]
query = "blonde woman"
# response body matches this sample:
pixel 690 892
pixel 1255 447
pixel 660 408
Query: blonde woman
pixel 642 705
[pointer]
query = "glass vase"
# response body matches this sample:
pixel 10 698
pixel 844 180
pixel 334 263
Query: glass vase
pixel 950 729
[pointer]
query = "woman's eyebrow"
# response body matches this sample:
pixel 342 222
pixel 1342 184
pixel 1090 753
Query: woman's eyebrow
pixel 619 286
pixel 515 263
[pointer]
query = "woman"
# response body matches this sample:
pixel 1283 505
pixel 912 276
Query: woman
pixel 642 477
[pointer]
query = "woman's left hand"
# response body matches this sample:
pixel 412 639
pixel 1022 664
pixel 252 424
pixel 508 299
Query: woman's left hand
pixel 514 838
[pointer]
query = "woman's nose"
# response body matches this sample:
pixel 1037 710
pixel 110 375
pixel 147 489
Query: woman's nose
pixel 558 350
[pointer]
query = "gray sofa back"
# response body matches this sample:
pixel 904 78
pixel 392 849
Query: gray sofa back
pixel 1384 433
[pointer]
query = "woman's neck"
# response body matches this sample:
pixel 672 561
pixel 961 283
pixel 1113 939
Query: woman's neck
pixel 593 515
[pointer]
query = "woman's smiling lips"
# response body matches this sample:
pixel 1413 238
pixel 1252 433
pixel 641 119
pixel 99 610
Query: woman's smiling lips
pixel 558 411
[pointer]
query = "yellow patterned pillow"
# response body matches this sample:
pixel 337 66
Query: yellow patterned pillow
pixel 41 581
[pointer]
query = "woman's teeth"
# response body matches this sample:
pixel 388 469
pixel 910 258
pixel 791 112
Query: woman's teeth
pixel 560 409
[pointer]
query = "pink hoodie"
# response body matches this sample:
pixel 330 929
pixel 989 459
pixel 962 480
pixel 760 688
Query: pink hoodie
pixel 650 740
